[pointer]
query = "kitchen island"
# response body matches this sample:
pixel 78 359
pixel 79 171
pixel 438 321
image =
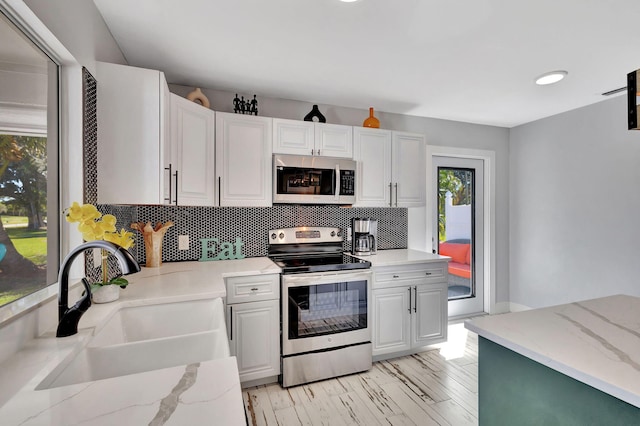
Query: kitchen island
pixel 198 393
pixel 572 364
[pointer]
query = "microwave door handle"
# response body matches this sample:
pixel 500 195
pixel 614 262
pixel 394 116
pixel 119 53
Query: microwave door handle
pixel 337 196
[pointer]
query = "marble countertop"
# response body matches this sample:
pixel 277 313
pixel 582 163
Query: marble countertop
pixel 402 257
pixel 191 394
pixel 594 341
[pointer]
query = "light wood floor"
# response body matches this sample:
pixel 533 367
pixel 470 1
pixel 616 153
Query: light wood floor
pixel 436 387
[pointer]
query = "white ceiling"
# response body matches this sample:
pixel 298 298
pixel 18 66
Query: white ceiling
pixel 465 60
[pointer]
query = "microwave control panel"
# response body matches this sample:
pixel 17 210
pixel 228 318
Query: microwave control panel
pixel 347 182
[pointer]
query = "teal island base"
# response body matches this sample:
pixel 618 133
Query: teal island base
pixel 515 390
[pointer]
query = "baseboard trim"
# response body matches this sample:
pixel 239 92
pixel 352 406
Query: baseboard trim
pixel 516 307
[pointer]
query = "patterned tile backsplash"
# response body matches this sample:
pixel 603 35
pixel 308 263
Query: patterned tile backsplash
pixel 251 224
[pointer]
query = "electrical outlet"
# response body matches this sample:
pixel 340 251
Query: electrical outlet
pixel 183 242
pixel 349 234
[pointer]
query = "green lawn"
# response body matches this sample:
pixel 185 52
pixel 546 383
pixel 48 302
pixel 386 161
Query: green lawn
pixel 15 220
pixel 30 244
pixel 11 295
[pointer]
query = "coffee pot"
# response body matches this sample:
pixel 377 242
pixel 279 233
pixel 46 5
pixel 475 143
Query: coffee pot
pixel 365 235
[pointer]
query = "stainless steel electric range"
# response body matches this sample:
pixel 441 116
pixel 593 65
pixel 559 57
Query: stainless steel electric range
pixel 326 305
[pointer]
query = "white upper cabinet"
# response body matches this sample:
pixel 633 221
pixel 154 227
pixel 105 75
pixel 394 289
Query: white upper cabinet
pixel 372 151
pixel 243 160
pixel 192 153
pixel 391 168
pixel 309 138
pixel 408 169
pixel 334 140
pixel 132 127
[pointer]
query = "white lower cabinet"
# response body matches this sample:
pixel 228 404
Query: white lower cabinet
pixel 253 325
pixel 409 307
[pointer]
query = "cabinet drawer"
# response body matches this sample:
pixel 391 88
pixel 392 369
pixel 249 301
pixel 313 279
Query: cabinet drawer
pixel 252 288
pixel 425 272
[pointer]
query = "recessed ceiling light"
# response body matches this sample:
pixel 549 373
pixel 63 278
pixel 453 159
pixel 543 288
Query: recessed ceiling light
pixel 551 77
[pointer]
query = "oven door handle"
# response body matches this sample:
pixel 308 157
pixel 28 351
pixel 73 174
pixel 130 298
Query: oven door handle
pixel 303 280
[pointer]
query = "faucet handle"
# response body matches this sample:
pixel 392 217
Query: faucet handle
pixel 68 325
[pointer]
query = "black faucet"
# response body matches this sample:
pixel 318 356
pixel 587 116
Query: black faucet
pixel 68 318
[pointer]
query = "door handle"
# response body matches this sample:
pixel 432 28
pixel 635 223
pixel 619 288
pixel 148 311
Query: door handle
pixel 415 299
pixel 390 195
pixel 219 190
pixel 337 180
pixel 409 300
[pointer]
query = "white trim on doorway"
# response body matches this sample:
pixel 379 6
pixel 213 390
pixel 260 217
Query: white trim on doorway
pixel 489 225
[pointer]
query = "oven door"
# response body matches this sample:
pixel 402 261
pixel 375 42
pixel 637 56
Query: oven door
pixel 325 310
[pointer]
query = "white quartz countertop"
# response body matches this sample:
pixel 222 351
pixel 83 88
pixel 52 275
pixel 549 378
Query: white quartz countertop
pixel 402 257
pixel 204 393
pixel 595 341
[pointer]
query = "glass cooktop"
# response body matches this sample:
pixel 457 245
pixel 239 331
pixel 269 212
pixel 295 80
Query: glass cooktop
pixel 319 263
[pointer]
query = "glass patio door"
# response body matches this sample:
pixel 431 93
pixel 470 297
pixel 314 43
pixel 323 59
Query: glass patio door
pixel 459 222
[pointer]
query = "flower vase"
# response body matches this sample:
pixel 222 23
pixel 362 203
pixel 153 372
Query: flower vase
pixel 371 121
pixel 105 294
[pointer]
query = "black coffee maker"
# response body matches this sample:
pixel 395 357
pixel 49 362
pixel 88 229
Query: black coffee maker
pixel 365 236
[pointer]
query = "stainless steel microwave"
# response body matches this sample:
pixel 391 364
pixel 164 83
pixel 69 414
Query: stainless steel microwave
pixel 299 179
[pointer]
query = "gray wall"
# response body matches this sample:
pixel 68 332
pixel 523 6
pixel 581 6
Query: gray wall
pixel 438 132
pixel 574 204
pixel 78 25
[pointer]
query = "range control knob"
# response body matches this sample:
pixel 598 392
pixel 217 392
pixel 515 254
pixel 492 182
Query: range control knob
pixel 281 235
pixel 339 232
pixel 333 233
pixel 273 236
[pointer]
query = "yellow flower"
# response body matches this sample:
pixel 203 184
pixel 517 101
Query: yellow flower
pixel 74 213
pixel 94 226
pixel 122 238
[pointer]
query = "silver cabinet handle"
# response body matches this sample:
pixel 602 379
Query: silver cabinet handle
pixel 169 169
pixel 176 175
pixel 396 194
pixel 415 299
pixel 390 195
pixel 409 300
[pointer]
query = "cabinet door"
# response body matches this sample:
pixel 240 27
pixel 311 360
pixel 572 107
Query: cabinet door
pixel 192 152
pixel 254 338
pixel 408 168
pixel 372 151
pixel 293 137
pixel 333 140
pixel 243 160
pixel 130 134
pixel 430 316
pixel 391 320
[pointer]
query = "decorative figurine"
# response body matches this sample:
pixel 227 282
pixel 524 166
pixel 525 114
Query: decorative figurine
pixel 236 104
pixel 240 106
pixel 315 115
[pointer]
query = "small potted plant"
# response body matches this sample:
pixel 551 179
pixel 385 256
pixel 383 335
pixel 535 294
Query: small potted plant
pixel 95 226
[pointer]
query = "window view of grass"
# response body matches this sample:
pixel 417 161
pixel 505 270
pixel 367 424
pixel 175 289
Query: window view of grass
pixel 30 244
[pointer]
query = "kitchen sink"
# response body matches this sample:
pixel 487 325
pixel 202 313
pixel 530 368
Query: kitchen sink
pixel 139 323
pixel 146 338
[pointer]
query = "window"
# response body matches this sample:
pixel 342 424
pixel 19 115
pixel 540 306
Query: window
pixel 29 198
